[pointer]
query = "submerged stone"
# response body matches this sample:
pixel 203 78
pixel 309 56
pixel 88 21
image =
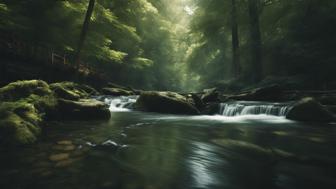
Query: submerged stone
pixel 65 142
pixel 165 102
pixel 59 157
pixel 84 109
pixel 308 109
pixel 64 163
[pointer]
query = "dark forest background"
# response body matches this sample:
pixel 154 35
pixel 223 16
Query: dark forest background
pixel 179 45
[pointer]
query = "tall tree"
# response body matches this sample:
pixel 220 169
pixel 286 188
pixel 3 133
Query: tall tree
pixel 255 40
pixel 84 31
pixel 235 41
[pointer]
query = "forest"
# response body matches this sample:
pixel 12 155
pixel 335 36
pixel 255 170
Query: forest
pixel 163 94
pixel 202 44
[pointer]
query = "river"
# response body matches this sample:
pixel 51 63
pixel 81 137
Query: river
pixel 138 150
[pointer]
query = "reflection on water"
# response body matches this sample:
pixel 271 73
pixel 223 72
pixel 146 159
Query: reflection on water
pixel 152 151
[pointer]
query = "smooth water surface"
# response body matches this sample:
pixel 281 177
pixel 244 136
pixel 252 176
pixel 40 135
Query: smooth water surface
pixel 135 150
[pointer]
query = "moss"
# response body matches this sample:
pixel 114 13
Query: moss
pixel 19 123
pixel 72 91
pixel 22 89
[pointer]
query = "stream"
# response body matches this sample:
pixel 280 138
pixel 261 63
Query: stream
pixel 247 145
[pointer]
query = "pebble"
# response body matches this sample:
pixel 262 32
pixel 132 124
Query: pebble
pixel 64 163
pixel 64 142
pixel 64 147
pixel 59 157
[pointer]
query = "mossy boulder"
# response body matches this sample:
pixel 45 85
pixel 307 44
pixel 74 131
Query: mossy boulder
pixel 19 123
pixel 23 89
pixel 24 105
pixel 72 91
pixel 117 92
pixel 84 109
pixel 308 109
pixel 165 102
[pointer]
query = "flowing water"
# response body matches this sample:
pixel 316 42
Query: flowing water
pixel 241 147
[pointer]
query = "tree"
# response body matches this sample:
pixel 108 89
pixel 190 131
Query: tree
pixel 255 41
pixel 84 30
pixel 235 41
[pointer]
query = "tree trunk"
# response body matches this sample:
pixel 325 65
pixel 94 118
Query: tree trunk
pixel 255 41
pixel 84 31
pixel 235 41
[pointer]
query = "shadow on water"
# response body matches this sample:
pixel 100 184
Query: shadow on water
pixel 152 151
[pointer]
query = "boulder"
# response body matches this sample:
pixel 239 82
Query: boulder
pixel 117 92
pixel 308 109
pixel 211 109
pixel 19 123
pixel 196 100
pixel 84 109
pixel 23 106
pixel 72 91
pixel 23 89
pixel 165 102
pixel 268 93
pixel 327 100
pixel 210 95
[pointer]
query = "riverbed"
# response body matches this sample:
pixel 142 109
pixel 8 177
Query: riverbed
pixel 138 150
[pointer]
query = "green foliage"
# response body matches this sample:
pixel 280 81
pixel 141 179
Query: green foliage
pixel 181 44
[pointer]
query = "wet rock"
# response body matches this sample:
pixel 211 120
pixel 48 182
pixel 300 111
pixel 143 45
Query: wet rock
pixel 308 109
pixel 211 109
pixel 47 173
pixel 64 147
pixel 64 163
pixel 196 100
pixel 327 100
pixel 165 102
pixel 84 109
pixel 267 93
pixel 72 91
pixel 59 157
pixel 117 92
pixel 210 95
pixel 65 142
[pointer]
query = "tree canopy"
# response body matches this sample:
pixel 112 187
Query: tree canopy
pixel 187 44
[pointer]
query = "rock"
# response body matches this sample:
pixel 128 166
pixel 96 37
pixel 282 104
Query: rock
pixel 210 95
pixel 23 89
pixel 64 142
pixel 19 123
pixel 268 93
pixel 64 148
pixel 331 108
pixel 25 105
pixel 327 100
pixel 308 109
pixel 211 109
pixel 84 109
pixel 117 92
pixel 72 91
pixel 64 163
pixel 59 157
pixel 165 102
pixel 196 100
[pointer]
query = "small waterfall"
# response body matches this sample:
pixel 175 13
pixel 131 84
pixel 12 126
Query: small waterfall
pixel 254 108
pixel 120 104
